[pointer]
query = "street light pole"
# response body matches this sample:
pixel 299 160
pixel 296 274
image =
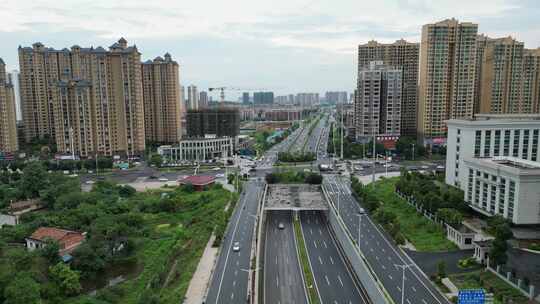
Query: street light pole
pixel 412 151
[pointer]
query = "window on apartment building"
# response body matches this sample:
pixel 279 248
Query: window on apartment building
pixel 511 199
pixel 525 149
pixel 470 185
pixel 515 149
pixel 506 147
pixel 487 143
pixel 534 155
pixel 477 141
pixel 502 193
pixel 497 143
pixel 493 199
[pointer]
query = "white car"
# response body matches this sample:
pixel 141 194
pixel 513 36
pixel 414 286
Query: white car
pixel 163 179
pixel 220 175
pixel 236 247
pixel 216 168
pixel 90 182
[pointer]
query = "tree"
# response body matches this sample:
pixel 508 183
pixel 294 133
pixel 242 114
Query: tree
pixel 89 259
pixel 451 216
pixel 68 280
pixel 501 230
pixel 23 289
pixel 50 251
pixel 34 179
pixel 156 160
pixel 441 269
pixel 126 191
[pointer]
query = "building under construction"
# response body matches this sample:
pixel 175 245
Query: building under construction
pixel 213 121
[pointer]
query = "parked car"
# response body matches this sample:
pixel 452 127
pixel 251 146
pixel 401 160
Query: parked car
pixel 163 179
pixel 281 226
pixel 236 247
pixel 220 175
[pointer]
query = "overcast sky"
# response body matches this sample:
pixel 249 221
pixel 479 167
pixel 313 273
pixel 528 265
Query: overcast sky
pixel 287 46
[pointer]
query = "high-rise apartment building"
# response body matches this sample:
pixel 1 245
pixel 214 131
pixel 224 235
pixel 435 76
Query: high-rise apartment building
pixel 89 99
pixel 447 77
pixel 161 95
pixel 378 104
pixel 245 98
pixel 8 126
pixel 403 55
pixel 13 78
pixel 508 80
pixel 192 97
pixel 263 97
pixel 336 97
pixel 307 99
pixel 203 99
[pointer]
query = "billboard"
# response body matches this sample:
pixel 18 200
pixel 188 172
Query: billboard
pixel 472 296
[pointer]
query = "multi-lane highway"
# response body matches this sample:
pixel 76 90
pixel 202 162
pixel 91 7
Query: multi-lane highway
pixel 230 280
pixel 333 280
pixel 382 255
pixel 283 279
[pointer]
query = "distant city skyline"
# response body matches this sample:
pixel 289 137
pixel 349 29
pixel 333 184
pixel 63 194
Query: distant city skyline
pixel 302 46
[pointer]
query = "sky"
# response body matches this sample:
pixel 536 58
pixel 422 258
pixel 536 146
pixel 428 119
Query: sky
pixel 285 46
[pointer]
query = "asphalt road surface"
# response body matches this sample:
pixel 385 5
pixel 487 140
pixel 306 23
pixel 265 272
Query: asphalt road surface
pixel 230 281
pixel 382 254
pixel 333 280
pixel 283 280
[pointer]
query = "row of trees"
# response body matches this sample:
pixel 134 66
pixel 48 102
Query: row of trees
pixel 296 157
pixel 386 218
pixel 288 177
pixel 56 165
pixel 433 195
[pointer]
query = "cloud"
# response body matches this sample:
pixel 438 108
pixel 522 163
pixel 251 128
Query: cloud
pixel 299 44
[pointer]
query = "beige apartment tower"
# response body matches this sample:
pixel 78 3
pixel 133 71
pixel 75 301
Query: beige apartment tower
pixel 89 99
pixel 8 126
pixel 508 79
pixel 162 103
pixel 404 56
pixel 447 76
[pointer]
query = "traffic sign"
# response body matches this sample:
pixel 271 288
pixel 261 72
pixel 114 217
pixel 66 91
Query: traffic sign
pixel 472 296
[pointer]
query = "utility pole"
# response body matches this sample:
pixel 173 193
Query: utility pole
pixel 374 155
pixel 342 130
pixel 412 151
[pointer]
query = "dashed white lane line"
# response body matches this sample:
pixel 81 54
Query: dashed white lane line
pixel 320 260
pixel 331 260
pixel 414 289
pixel 315 243
pixel 340 281
pixel 389 276
pixel 327 281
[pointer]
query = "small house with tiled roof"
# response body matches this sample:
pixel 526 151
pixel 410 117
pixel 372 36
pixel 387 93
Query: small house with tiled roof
pixel 67 240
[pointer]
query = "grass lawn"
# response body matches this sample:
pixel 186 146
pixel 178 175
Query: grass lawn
pixel 304 260
pixel 422 233
pixel 169 252
pixel 491 283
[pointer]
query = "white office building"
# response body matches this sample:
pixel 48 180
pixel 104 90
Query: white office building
pixel 494 159
pixel 506 186
pixel 198 149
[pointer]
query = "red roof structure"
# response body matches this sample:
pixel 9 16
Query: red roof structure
pixel 67 239
pixel 198 181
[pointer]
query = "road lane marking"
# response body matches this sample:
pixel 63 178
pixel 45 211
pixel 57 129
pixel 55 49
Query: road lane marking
pixel 331 260
pixel 340 281
pixel 327 281
pixel 390 277
pixel 320 260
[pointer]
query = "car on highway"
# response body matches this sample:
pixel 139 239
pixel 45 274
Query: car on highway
pixel 216 168
pixel 220 175
pixel 236 247
pixel 281 226
pixel 90 182
pixel 163 179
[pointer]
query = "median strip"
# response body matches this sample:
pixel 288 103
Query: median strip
pixel 304 260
